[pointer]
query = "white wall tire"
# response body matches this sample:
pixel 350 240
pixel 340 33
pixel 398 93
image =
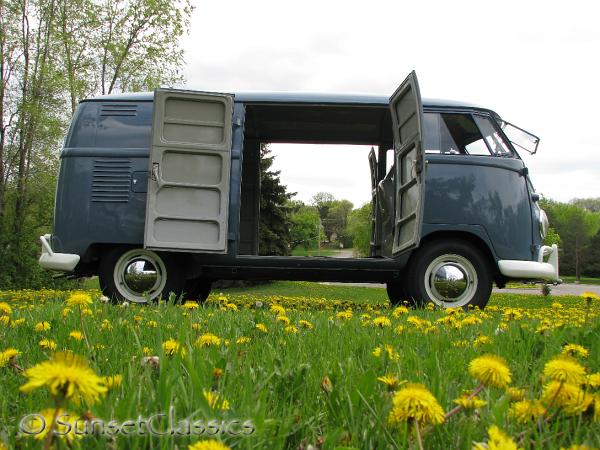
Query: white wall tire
pixel 139 275
pixel 450 274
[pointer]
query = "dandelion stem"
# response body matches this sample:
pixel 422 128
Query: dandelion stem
pixel 50 435
pixel 87 342
pixel 418 433
pixel 457 409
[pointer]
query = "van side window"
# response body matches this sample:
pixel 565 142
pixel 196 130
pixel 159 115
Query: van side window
pixel 461 134
pixel 112 125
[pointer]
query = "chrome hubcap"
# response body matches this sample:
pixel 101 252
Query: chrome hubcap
pixel 140 275
pixel 450 280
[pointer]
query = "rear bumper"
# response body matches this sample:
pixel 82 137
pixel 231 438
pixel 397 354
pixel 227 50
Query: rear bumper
pixel 537 270
pixel 63 262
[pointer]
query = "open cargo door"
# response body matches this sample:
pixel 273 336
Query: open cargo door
pixel 190 158
pixel 375 245
pixel 407 115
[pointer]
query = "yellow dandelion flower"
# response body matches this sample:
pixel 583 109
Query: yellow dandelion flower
pixel 5 308
pixel 17 322
pixel 468 402
pixel 218 372
pixel 152 324
pixel 261 327
pixel 415 402
pixel 42 326
pixel 515 394
pixel 590 296
pixel 481 340
pixel 87 312
pixel 559 394
pixel 210 444
pixel 47 344
pixel 497 440
pixel 283 319
pixel 190 305
pixel 7 355
pixel 215 400
pixel 527 411
pixel 575 350
pixel 105 325
pixel 382 321
pixel 565 369
pixel 306 324
pixel 344 315
pixel 65 374
pixel 38 425
pixel 146 351
pixel 399 310
pixel 490 370
pixel 277 310
pixel 80 299
pixel 171 347
pixel 77 335
pixel 242 340
pixel 399 329
pixel 593 380
pixel 208 339
pixel 291 329
pixel 113 381
pixel 390 380
pixel 231 307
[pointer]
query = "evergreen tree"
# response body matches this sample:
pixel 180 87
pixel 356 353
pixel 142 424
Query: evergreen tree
pixel 275 216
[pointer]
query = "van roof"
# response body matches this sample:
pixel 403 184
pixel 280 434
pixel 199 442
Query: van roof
pixel 297 97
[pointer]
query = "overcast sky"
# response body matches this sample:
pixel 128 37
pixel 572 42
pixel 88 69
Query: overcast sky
pixel 535 63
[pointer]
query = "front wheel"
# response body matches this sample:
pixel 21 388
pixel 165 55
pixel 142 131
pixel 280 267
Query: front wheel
pixel 450 274
pixel 139 275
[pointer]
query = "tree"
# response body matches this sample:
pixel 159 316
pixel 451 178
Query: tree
pixel 306 227
pixel 275 225
pixel 53 53
pixel 575 226
pixel 336 221
pixel 359 227
pixel 591 259
pixel 323 201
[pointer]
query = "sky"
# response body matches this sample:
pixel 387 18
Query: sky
pixel 536 63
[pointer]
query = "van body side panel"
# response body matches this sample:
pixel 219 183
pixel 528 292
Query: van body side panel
pixel 478 190
pixel 101 198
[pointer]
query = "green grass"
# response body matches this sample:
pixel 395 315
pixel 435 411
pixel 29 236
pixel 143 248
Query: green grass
pixel 301 251
pixel 276 379
pixel 582 280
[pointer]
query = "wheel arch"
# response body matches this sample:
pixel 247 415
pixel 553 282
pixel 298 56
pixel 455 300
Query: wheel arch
pixel 482 243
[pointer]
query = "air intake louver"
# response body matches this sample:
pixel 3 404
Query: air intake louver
pixel 119 109
pixel 111 180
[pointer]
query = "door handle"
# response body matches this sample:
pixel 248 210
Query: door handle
pixel 156 174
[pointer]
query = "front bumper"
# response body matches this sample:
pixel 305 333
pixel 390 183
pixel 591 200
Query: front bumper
pixel 537 270
pixel 63 262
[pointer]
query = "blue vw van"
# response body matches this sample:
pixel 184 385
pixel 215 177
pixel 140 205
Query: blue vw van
pixel 159 193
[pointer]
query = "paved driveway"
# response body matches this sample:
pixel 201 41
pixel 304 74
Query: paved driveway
pixel 561 289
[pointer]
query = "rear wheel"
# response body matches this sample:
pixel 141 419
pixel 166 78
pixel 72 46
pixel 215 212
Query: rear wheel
pixel 139 275
pixel 197 289
pixel 397 293
pixel 450 274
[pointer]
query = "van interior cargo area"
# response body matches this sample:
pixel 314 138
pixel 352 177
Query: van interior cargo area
pixel 303 124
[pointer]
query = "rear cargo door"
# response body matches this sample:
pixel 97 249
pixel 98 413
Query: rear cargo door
pixel 407 117
pixel 188 190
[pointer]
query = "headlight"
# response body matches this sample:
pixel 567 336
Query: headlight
pixel 543 223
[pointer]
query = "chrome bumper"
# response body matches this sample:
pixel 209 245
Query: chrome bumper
pixel 63 262
pixel 538 270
